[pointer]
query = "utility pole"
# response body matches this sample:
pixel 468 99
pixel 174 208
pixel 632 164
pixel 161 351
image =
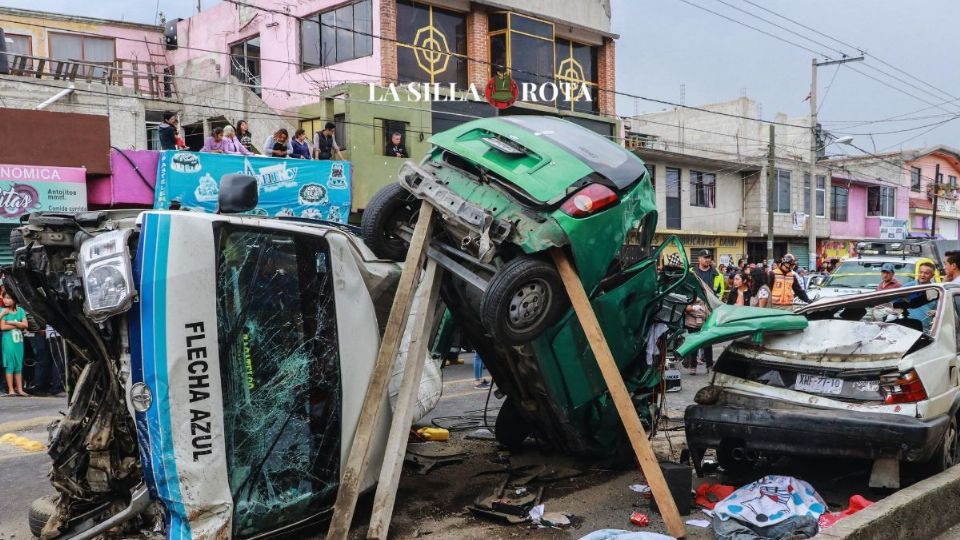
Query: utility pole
pixel 936 190
pixel 812 218
pixel 771 194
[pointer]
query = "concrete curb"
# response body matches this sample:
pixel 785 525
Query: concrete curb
pixel 27 423
pixel 919 512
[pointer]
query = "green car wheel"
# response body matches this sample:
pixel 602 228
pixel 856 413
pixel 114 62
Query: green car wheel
pixel 390 208
pixel 524 298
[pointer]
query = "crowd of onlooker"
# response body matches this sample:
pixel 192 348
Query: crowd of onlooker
pixel 239 140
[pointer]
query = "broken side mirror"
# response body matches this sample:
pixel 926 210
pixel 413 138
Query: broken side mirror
pixel 239 193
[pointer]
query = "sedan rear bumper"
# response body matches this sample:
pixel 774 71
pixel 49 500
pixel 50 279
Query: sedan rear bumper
pixel 759 424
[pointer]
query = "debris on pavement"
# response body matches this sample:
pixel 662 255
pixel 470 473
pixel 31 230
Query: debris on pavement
pixel 639 519
pixel 555 519
pixel 772 507
pixel 702 523
pixel 856 504
pixel 482 434
pixel 434 434
pixel 708 495
pixel 618 534
pixel 639 488
pixel 536 513
pixel 424 463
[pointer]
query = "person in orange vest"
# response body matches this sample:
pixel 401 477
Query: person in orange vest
pixel 785 284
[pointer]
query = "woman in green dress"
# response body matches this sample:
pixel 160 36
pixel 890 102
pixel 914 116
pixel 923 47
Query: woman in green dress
pixel 13 320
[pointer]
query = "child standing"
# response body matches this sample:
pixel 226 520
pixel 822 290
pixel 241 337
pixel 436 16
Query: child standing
pixel 13 320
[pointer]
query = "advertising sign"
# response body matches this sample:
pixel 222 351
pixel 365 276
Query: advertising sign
pixel 288 187
pixel 33 188
pixel 893 229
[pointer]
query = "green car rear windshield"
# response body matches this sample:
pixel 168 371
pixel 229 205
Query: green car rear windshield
pixel 610 160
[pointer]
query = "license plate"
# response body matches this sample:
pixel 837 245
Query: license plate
pixel 817 384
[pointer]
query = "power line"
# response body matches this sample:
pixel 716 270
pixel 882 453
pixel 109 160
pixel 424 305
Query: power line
pixel 487 62
pixel 826 56
pixel 875 57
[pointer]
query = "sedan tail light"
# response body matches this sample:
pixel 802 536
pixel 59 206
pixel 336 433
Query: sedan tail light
pixel 589 201
pixel 902 388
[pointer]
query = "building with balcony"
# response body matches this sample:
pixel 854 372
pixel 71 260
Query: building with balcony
pixel 733 138
pixel 699 199
pixel 350 63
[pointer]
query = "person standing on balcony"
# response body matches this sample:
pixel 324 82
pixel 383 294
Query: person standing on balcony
pixel 278 144
pixel 168 131
pixel 300 144
pixel 245 137
pixel 232 145
pixel 214 143
pixel 325 143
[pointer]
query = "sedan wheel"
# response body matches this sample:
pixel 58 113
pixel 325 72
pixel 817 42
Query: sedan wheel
pixel 949 454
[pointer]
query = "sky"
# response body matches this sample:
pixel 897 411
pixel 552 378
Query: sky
pixel 666 45
pixel 713 59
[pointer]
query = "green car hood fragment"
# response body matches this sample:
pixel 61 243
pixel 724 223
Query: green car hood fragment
pixel 731 322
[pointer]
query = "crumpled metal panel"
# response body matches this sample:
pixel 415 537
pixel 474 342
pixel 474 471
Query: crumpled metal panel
pixel 841 341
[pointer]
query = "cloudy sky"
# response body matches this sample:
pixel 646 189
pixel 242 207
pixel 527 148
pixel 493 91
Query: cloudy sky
pixel 668 44
pixel 715 59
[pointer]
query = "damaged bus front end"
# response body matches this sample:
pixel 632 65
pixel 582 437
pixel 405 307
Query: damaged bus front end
pixel 207 395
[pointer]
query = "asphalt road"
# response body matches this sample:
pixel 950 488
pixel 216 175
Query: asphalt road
pixel 434 504
pixel 23 466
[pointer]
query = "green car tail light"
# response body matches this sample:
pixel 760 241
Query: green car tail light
pixel 589 201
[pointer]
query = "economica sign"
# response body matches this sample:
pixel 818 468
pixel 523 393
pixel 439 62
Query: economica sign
pixel 288 187
pixel 34 188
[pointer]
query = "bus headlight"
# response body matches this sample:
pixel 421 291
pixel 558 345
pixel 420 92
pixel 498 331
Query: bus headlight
pixel 107 275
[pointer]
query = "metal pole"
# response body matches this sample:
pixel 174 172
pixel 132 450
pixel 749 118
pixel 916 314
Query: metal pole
pixel 812 217
pixel 771 194
pixel 936 189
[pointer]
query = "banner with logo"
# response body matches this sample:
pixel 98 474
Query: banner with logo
pixel 34 188
pixel 288 187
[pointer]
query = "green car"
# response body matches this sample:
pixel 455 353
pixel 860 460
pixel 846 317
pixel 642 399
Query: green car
pixel 507 191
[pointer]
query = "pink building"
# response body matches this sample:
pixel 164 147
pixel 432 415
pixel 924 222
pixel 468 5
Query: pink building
pixel 262 48
pixel 921 168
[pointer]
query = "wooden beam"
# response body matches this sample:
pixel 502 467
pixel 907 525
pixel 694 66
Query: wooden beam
pixel 357 460
pixel 621 397
pixel 422 316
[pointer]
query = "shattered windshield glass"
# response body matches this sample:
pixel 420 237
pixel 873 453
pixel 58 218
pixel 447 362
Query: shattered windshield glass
pixel 278 337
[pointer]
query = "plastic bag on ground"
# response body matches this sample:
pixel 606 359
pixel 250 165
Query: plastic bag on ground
pixel 618 534
pixel 431 382
pixel 856 504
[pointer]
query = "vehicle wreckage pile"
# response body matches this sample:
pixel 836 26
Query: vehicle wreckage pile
pixel 197 409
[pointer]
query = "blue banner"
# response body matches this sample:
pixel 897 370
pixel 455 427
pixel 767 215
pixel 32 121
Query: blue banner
pixel 288 187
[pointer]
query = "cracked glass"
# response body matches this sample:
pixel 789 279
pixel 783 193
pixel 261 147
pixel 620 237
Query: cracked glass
pixel 281 376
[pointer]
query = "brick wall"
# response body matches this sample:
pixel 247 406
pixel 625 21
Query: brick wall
pixel 388 47
pixel 477 47
pixel 606 65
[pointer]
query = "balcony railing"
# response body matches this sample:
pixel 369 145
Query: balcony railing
pixel 151 79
